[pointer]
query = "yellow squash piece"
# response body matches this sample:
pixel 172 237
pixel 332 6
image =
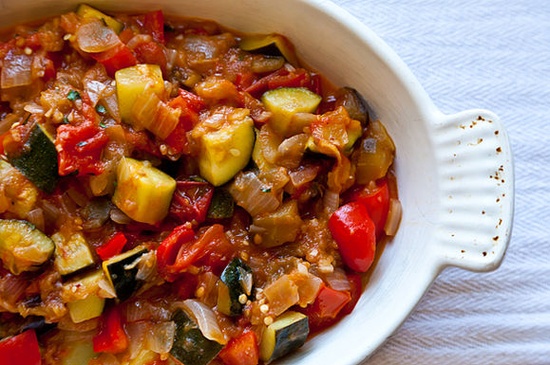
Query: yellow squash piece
pixel 143 192
pixel 71 254
pixel 131 82
pixel 226 149
pixel 257 42
pixel 88 12
pixel 85 309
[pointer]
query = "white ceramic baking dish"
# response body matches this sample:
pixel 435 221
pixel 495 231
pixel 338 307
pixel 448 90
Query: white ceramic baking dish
pixel 455 172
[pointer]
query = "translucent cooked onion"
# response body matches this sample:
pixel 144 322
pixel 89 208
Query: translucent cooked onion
pixel 16 71
pixel 394 217
pixel 161 337
pixel 338 280
pixel 205 319
pixel 95 37
pixel 331 201
pixel 253 195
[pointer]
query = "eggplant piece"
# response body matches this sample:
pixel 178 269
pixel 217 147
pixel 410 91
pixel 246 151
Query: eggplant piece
pixel 286 334
pixel 271 45
pixel 190 345
pixel 235 287
pixel 121 272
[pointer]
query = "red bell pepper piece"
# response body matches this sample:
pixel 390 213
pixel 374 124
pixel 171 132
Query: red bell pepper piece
pixel 241 350
pixel 377 200
pixel 354 232
pixel 191 201
pixel 327 307
pixel 153 24
pixel 182 249
pixel 190 106
pixel 22 349
pixel 112 247
pixel 111 337
pixel 151 53
pixel 116 58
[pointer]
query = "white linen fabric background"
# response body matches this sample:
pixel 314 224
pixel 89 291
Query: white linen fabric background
pixel 492 54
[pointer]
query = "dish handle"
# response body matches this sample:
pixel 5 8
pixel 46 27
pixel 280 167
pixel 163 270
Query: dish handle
pixel 477 190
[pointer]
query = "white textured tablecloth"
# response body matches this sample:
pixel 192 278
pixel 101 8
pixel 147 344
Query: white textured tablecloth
pixel 492 54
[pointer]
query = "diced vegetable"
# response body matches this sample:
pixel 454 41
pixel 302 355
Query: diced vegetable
pixel 325 311
pixel 374 154
pixel 222 205
pixel 182 249
pixel 353 102
pixel 78 352
pixel 241 350
pixel 355 233
pixel 337 128
pixel 22 246
pixel 286 334
pixel 190 345
pixel 226 149
pixel 84 309
pixel 281 226
pixel 17 194
pixel 37 160
pixel 111 337
pixel 284 103
pixel 112 247
pixel 88 12
pixel 134 81
pixel 143 192
pixel 121 272
pixel 263 44
pixel 191 201
pixel 376 197
pixel 72 253
pixel 235 287
pixel 22 349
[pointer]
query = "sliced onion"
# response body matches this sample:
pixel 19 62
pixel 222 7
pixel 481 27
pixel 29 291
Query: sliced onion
pixel 394 217
pixel 95 37
pixel 291 151
pixel 253 195
pixel 12 288
pixel 16 70
pixel 331 201
pixel 119 217
pixel 338 280
pixel 205 319
pixel 138 39
pixel 281 294
pixel 161 337
pixel 36 217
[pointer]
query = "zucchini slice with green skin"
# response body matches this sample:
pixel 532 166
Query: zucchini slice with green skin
pixel 286 334
pixel 284 102
pixel 71 254
pixel 190 345
pixel 37 160
pixel 121 272
pixel 235 288
pixel 22 246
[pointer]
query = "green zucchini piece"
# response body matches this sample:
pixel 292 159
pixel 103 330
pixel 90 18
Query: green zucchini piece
pixel 22 246
pixel 84 309
pixel 121 272
pixel 235 288
pixel 71 254
pixel 143 192
pixel 284 103
pixel 226 150
pixel 269 44
pixel 190 345
pixel 38 160
pixel 222 204
pixel 286 334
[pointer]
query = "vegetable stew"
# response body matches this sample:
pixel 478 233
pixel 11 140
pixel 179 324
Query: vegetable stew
pixel 175 192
